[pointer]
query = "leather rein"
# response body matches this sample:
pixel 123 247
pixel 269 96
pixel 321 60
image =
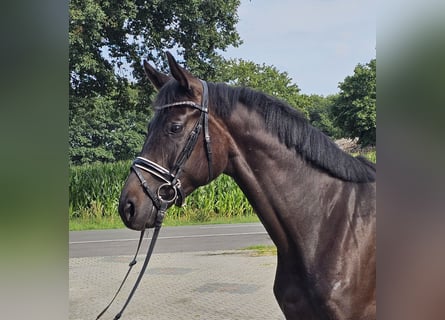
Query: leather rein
pixel 170 191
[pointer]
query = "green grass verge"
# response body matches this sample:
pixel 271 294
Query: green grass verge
pixel 262 250
pixel 78 224
pixel 370 155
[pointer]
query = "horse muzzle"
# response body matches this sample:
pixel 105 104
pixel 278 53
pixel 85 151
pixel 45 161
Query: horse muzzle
pixel 141 207
pixel 137 213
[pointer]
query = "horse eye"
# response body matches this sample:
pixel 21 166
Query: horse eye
pixel 175 128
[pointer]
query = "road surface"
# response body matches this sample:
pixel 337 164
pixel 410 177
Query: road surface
pixel 117 242
pixel 196 272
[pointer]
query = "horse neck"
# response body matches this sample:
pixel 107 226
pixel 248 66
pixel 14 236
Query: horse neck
pixel 283 189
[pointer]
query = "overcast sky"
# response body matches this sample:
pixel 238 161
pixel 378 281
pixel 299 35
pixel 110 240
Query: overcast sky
pixel 317 42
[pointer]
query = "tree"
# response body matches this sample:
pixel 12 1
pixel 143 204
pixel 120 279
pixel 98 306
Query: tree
pixel 319 111
pixel 355 108
pixel 267 79
pixel 101 131
pixel 107 41
pixel 270 80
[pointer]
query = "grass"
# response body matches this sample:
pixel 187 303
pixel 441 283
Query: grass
pixel 370 155
pixel 78 224
pixel 262 250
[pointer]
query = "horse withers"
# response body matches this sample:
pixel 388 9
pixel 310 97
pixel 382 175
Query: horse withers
pixel 316 202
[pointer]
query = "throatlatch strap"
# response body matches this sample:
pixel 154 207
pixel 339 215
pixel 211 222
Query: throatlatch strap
pixel 208 146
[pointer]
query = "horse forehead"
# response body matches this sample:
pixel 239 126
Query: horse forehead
pixel 161 115
pixel 172 92
pixel 176 113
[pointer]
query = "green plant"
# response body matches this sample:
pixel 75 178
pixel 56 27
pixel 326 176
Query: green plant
pixel 94 194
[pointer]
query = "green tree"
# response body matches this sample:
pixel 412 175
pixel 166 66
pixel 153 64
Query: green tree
pixel 101 131
pixel 319 111
pixel 355 108
pixel 109 96
pixel 267 79
pixel 270 80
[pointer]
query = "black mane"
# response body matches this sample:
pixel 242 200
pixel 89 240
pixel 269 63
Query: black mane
pixel 294 130
pixel 289 125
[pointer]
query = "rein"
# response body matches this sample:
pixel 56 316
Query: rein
pixel 132 263
pixel 171 190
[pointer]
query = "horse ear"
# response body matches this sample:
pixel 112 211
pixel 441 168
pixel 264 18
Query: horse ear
pixel 184 77
pixel 158 79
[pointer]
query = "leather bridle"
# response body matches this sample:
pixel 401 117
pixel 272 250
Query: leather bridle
pixel 170 191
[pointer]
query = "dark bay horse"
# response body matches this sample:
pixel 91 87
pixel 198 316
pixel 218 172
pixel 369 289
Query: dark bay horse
pixel 316 202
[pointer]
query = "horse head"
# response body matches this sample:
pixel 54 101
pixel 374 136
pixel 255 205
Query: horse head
pixel 178 155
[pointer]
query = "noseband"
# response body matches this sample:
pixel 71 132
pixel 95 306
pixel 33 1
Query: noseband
pixel 171 190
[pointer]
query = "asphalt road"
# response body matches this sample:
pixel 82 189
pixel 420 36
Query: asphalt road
pixel 101 243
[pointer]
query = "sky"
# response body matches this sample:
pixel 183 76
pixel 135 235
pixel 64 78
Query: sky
pixel 317 42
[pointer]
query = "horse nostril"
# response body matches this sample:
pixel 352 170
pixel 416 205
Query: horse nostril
pixel 129 210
